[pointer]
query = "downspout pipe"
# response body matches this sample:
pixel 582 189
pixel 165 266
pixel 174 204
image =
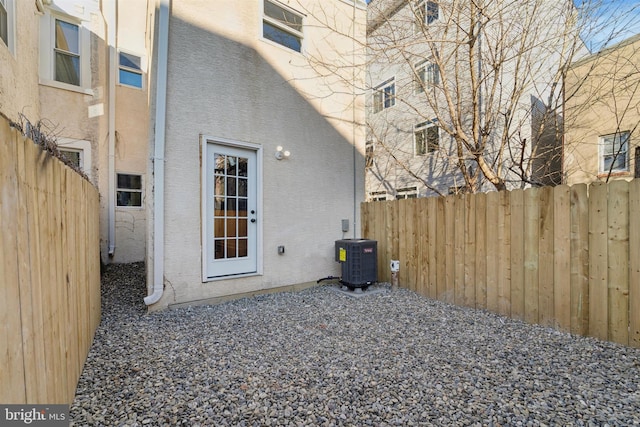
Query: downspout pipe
pixel 158 154
pixel 111 123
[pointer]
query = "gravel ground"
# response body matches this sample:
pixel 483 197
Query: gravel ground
pixel 319 357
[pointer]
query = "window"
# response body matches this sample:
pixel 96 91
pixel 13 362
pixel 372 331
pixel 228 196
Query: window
pixel 378 196
pixel 129 191
pixel 73 156
pixel 426 138
pixel 6 23
pixel 282 25
pixel 67 53
pixel 78 152
pixel 130 71
pixel 384 96
pixel 426 12
pixel 407 193
pixel 614 152
pixel 427 74
pixel 368 156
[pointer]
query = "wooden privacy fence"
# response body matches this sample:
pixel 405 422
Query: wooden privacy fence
pixel 567 257
pixel 49 273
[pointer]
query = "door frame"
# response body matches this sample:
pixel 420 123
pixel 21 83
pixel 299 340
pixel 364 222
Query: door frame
pixel 205 142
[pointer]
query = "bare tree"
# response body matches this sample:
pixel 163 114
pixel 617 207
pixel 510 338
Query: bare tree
pixel 468 95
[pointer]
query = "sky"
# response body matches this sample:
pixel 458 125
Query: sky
pixel 618 20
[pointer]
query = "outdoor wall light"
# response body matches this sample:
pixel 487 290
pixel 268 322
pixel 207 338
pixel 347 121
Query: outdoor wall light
pixel 281 154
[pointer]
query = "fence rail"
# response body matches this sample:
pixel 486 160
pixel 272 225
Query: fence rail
pixel 566 257
pixel 49 271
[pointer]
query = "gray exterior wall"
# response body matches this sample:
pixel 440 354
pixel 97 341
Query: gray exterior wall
pixel 226 82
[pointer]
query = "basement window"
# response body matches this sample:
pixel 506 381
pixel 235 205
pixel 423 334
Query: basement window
pixel 129 190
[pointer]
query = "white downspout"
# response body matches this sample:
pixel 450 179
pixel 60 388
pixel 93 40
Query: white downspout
pixel 158 154
pixel 111 42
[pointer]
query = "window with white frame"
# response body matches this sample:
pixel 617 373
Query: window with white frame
pixel 614 152
pixel 407 193
pixel 427 12
pixel 67 52
pixel 377 196
pixel 6 23
pixel 64 53
pixel 426 138
pixel 78 152
pixel 74 156
pixel 427 74
pixel 129 190
pixel 384 95
pixel 282 25
pixel 130 70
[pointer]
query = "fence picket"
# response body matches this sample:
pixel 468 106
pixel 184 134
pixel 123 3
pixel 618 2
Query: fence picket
pixel 598 316
pixel 617 262
pixel 517 254
pixel 459 262
pixel 470 252
pixel 491 252
pixel 481 251
pixel 579 260
pixel 545 257
pixel 504 254
pixel 561 257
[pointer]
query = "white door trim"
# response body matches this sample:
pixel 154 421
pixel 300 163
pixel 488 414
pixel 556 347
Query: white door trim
pixel 205 140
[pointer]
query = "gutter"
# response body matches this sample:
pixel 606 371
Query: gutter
pixel 158 154
pixel 111 42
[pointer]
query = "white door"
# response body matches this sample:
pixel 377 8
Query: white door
pixel 231 211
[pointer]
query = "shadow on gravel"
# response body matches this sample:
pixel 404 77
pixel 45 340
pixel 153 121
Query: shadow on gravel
pixel 123 287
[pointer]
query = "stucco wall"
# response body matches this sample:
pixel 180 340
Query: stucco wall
pixel 225 81
pixel 19 68
pixel 602 99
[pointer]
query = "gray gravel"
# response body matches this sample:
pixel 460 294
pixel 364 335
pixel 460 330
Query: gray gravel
pixel 319 357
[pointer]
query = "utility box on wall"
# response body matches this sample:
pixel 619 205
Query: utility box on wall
pixel 359 261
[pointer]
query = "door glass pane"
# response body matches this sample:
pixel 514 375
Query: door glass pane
pixel 242 247
pixel 242 228
pixel 231 206
pixel 231 227
pixel 242 166
pixel 219 186
pixel 219 227
pixel 231 186
pixel 242 207
pixel 242 187
pixel 231 248
pixel 219 162
pixel 219 249
pixel 231 165
pixel 219 206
